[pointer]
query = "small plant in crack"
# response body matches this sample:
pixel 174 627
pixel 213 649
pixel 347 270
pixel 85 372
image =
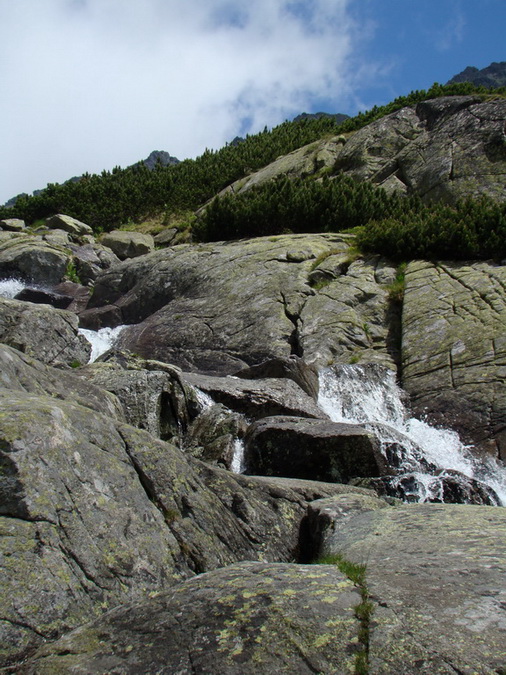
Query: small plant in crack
pixel 356 573
pixel 396 288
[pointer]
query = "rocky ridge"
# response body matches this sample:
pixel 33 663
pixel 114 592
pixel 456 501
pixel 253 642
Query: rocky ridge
pixel 128 543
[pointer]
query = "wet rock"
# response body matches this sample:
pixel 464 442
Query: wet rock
pixel 454 349
pixel 213 434
pixel 292 368
pixel 312 449
pixel 257 398
pixel 153 395
pixel 33 260
pixel 44 332
pixel 46 297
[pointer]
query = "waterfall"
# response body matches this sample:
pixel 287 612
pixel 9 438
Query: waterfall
pixel 100 340
pixel 422 457
pixel 237 464
pixel 9 288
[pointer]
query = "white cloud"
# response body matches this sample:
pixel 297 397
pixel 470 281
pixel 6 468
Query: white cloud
pixel 88 84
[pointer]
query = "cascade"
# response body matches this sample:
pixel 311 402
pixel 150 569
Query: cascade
pixel 9 288
pixel 101 340
pixel 237 464
pixel 422 457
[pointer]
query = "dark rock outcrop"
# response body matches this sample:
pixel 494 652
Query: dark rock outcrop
pixel 317 449
pixel 493 75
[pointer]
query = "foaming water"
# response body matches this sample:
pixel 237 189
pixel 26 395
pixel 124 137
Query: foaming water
pixel 9 288
pixel 237 464
pixel 100 340
pixel 422 455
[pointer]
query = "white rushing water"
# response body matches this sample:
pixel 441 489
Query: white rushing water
pixel 9 288
pixel 237 464
pixel 424 454
pixel 101 340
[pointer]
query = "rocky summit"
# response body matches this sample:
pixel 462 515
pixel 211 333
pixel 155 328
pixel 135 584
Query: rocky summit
pixel 275 454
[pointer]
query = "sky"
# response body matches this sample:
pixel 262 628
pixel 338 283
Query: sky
pixel 87 85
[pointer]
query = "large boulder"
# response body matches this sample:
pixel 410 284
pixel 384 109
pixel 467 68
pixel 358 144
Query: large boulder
pixel 95 513
pixel 217 308
pixel 68 224
pixel 34 260
pixel 91 259
pixel 315 449
pixel 128 244
pixel 154 395
pixel 257 398
pixel 292 368
pixel 435 573
pixel 454 348
pixel 12 224
pixel 44 332
pixel 251 618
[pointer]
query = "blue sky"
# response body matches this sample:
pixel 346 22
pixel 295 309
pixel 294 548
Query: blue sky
pixel 90 84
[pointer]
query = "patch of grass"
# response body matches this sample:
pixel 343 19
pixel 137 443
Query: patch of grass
pixel 75 364
pixel 323 256
pixel 397 287
pixel 71 272
pixel 356 573
pixel 321 283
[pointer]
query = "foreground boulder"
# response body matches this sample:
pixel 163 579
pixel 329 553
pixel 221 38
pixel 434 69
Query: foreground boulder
pixel 249 618
pixel 436 576
pixel 95 513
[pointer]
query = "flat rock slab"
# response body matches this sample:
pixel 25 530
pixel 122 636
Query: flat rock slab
pixel 257 398
pixel 251 618
pixel 436 573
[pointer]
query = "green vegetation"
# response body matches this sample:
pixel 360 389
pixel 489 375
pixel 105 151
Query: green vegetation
pixel 363 611
pixel 135 194
pixel 297 205
pixel 396 289
pixel 401 228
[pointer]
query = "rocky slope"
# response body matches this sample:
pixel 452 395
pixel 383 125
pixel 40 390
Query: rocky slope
pixel 443 149
pixel 129 545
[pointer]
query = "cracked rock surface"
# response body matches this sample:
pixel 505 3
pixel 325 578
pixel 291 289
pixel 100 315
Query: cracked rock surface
pixel 435 573
pixel 454 348
pixel 95 513
pixel 216 308
pixel 247 618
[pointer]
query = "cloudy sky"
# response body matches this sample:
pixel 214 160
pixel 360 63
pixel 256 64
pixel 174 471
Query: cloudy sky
pixel 87 85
